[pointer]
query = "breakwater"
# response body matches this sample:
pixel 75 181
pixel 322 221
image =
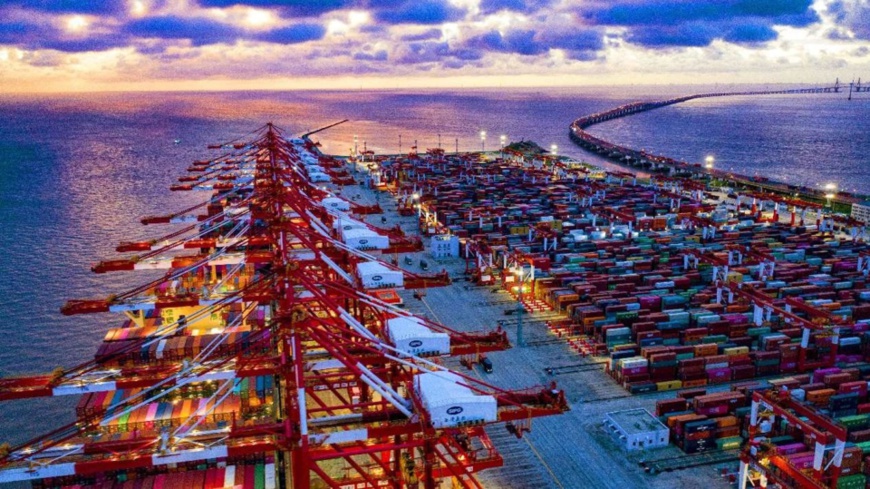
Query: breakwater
pixel 661 164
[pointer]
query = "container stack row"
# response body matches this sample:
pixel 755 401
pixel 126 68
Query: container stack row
pixel 252 475
pixel 248 398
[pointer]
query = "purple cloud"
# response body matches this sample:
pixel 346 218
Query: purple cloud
pixel 519 41
pixel 695 34
pixel 294 34
pixel 376 56
pixel 750 33
pixel 666 23
pixel 300 8
pixel 95 7
pixel 578 41
pixel 431 51
pixel 525 6
pixel 580 44
pixel 423 36
pixel 15 32
pixel 198 30
pixel 420 12
pixel 673 12
pixel 32 36
pixel 853 16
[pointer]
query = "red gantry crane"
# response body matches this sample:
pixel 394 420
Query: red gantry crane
pixel 260 358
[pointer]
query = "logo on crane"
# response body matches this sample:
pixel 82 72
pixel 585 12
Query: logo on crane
pixel 376 278
pixel 363 241
pixel 454 410
pixel 415 343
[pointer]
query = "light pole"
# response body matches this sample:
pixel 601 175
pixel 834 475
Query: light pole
pixel 520 310
pixel 708 162
pixel 482 141
pixel 503 140
pixel 831 192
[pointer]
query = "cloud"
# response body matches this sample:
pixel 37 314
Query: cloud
pixel 853 15
pixel 431 51
pixel 376 56
pixel 199 31
pixel 575 41
pixel 750 33
pixel 423 36
pixel 294 34
pixel 95 7
pixel 694 34
pixel 580 43
pixel 674 12
pixel 420 12
pixel 93 43
pixel 14 32
pixel 525 6
pixel 35 37
pixel 299 8
pixel 517 41
pixel 667 23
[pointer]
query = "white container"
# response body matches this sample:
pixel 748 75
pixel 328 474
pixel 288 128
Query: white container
pixel 335 203
pixel 409 336
pixel 450 404
pixel 320 177
pixel 365 239
pixel 374 275
pixel 346 222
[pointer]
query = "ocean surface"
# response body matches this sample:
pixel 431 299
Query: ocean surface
pixel 78 171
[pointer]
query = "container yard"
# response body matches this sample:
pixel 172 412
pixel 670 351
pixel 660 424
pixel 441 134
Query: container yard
pixel 434 320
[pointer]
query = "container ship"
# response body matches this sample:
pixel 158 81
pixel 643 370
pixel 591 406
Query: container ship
pixel 271 351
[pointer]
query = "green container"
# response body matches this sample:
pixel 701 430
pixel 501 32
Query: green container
pixel 864 446
pixel 856 422
pixel 781 440
pixel 855 481
pixel 758 331
pixel 624 316
pixel 716 338
pixel 730 443
pixel 260 477
pixel 122 422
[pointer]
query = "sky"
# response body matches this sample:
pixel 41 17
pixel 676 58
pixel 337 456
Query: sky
pixel 89 45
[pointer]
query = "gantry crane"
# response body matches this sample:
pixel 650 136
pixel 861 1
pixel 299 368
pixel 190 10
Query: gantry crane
pixel 268 294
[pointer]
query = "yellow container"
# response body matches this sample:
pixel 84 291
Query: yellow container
pixel 736 350
pixel 669 385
